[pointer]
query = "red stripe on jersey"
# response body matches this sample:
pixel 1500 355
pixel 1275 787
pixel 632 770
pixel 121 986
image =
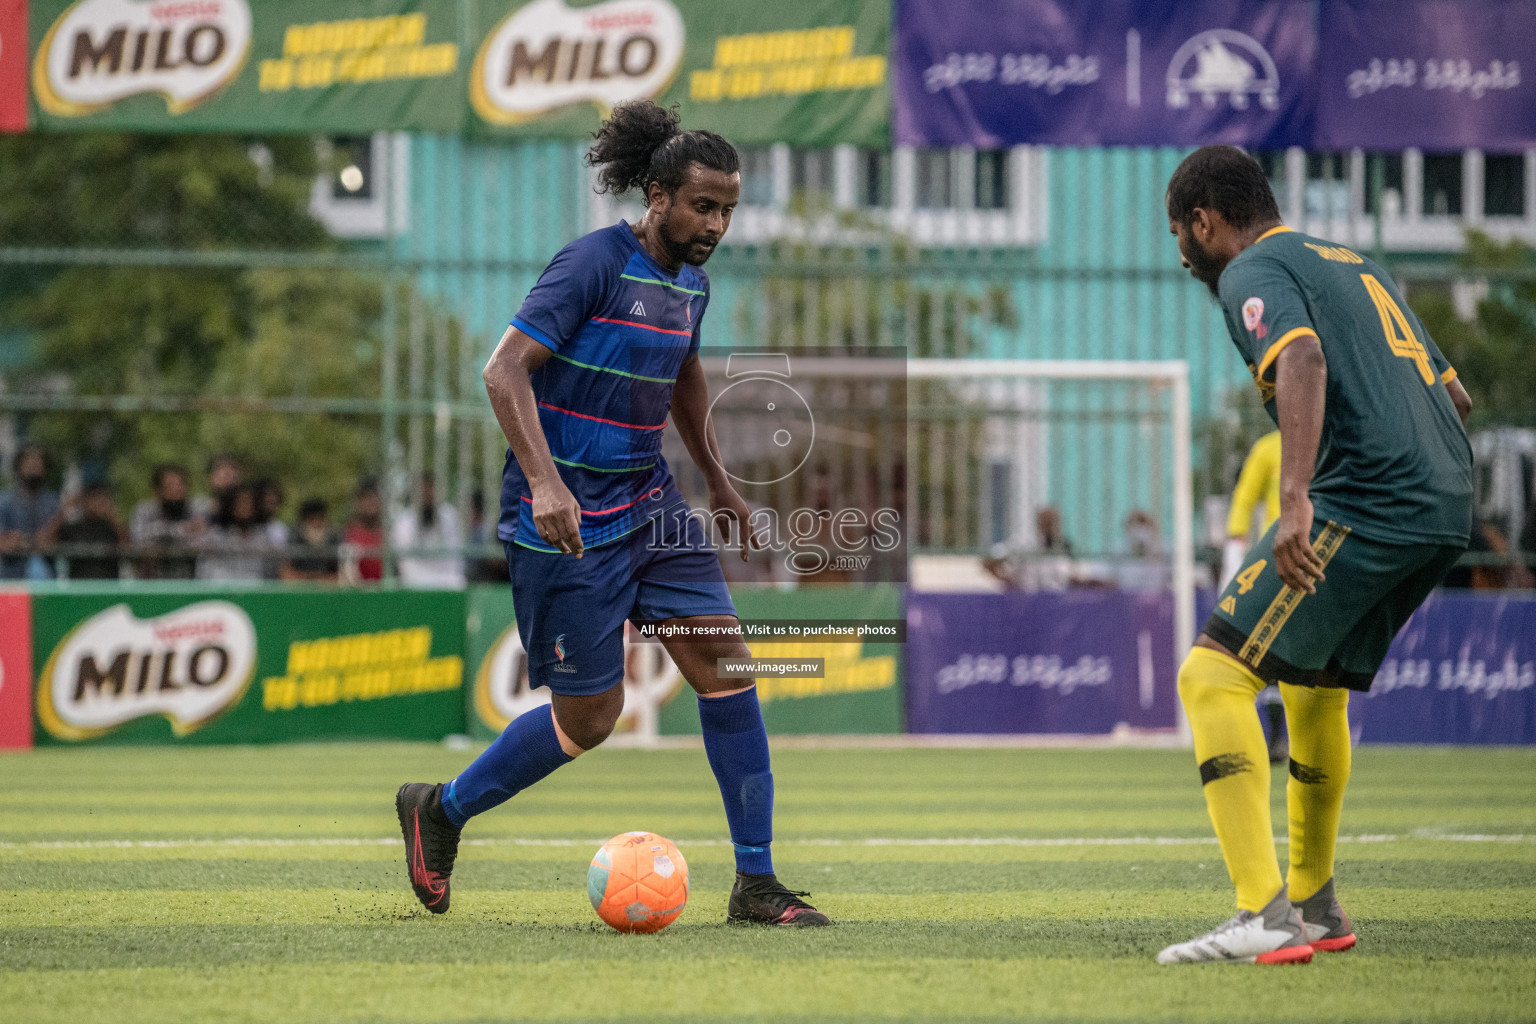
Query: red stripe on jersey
pixel 643 327
pixel 599 419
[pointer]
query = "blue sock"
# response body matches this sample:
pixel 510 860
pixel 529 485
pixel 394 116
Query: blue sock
pixel 737 746
pixel 525 752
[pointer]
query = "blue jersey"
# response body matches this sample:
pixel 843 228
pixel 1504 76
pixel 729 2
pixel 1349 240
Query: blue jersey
pixel 620 327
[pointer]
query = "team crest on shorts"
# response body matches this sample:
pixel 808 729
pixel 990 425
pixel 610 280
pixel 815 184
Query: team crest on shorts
pixel 560 664
pixel 1253 316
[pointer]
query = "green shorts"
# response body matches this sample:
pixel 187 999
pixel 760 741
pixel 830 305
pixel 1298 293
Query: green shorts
pixel 1338 636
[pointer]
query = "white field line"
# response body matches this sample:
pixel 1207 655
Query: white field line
pixel 1023 841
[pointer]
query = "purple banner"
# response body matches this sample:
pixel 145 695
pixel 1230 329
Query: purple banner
pixel 1058 72
pixel 1436 74
pixel 1075 662
pixel 1463 670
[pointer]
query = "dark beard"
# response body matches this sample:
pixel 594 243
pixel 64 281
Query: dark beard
pixel 683 251
pixel 174 511
pixel 1205 266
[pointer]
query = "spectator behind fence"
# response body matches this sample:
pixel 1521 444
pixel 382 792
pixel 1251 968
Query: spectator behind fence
pixel 164 527
pixel 88 521
pixel 25 510
pixel 434 527
pixel 314 548
pixel 225 474
pixel 1046 565
pixel 1140 565
pixel 236 546
pixel 484 566
pixel 1492 565
pixel 269 510
pixel 363 559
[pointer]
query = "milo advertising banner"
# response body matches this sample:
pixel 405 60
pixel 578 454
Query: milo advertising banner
pixel 247 65
pixel 808 72
pixel 211 667
pixel 498 689
pixel 859 692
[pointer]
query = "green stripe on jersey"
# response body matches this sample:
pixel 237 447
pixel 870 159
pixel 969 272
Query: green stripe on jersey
pixel 606 369
pixel 664 284
pixel 595 469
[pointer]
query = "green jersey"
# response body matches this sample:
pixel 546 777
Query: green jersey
pixel 1394 463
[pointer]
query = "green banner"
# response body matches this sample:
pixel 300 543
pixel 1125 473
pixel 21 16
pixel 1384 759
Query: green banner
pixel 350 67
pixel 246 667
pixel 807 72
pixel 860 693
pixel 862 689
pixel 497 678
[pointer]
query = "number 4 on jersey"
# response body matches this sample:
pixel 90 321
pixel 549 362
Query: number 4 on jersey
pixel 1399 334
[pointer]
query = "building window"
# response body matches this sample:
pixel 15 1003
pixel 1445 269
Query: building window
pixel 991 189
pixel 352 160
pixel 1326 196
pixel 931 196
pixel 1442 185
pixel 1273 163
pixel 872 187
pixel 1390 167
pixel 364 188
pixel 1504 185
pixel 1426 200
pixel 757 177
pixel 811 170
pixel 934 179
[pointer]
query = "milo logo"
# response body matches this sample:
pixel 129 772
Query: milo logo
pixel 102 51
pixel 545 55
pixel 187 665
pixel 501 686
pixel 502 690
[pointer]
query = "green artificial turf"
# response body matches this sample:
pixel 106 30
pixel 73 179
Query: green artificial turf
pixel 268 884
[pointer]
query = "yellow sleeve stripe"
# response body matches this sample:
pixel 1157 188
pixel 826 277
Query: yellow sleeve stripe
pixel 1449 375
pixel 1282 229
pixel 1285 339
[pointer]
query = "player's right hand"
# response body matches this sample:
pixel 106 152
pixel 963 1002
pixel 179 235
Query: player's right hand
pixel 1296 562
pixel 557 517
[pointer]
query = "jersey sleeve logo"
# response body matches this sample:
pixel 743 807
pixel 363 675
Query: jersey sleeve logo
pixel 1253 316
pixel 637 309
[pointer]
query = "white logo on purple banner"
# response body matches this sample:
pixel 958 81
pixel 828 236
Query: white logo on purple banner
pixel 1222 62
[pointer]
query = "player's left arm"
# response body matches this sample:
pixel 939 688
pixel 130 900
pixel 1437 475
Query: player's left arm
pixel 690 414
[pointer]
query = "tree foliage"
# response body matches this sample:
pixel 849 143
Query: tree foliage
pixel 250 331
pixel 1492 352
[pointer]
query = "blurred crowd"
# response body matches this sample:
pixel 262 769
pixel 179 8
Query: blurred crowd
pixel 1140 563
pixel 234 529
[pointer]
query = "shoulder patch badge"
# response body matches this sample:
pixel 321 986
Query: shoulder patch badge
pixel 1253 316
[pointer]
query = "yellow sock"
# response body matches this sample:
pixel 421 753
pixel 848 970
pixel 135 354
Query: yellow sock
pixel 1218 694
pixel 1318 721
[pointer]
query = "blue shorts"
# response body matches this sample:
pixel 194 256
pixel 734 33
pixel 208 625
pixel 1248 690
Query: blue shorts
pixel 571 611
